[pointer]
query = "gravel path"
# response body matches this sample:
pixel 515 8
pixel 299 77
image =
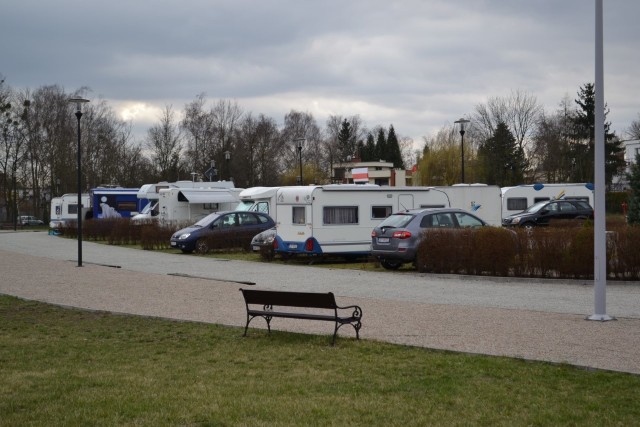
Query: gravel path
pixel 530 319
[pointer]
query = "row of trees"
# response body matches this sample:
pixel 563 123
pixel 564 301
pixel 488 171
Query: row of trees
pixel 512 140
pixel 38 146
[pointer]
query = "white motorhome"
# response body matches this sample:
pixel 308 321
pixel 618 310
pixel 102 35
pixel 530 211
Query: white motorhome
pixel 193 204
pixel 338 219
pixel 152 192
pixel 482 200
pixel 65 208
pixel 259 199
pixel 518 198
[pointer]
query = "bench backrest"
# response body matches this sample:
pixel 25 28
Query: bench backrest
pixel 289 299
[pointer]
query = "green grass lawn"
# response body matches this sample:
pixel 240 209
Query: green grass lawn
pixel 71 367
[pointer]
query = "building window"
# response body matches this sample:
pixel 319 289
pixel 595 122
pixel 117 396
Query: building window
pixel 332 215
pixel 380 212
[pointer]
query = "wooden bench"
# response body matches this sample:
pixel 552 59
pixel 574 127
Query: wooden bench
pixel 261 303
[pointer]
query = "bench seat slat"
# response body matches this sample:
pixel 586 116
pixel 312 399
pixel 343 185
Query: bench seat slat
pixel 310 316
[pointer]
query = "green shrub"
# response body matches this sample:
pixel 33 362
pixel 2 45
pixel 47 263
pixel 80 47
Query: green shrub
pixel 613 201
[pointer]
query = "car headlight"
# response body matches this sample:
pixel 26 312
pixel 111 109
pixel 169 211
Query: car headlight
pixel 515 220
pixel 184 236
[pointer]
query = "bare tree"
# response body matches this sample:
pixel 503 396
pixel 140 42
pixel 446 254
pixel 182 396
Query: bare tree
pixel 197 126
pixel 258 150
pixel 299 125
pixel 634 130
pixel 225 119
pixel 163 140
pixel 549 158
pixel 520 111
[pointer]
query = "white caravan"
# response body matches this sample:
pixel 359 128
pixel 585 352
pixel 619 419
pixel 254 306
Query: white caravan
pixel 338 219
pixel 152 192
pixel 482 200
pixel 518 198
pixel 65 208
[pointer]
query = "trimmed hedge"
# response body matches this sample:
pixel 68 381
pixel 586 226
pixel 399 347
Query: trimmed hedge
pixel 552 252
pixel 560 251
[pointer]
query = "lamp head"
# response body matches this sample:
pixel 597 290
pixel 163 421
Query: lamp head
pixel 78 102
pixel 462 122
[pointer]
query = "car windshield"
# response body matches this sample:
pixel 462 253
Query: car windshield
pixel 245 205
pixel 204 222
pixel 397 220
pixel 147 209
pixel 536 207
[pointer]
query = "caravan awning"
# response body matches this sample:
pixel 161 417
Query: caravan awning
pixel 194 196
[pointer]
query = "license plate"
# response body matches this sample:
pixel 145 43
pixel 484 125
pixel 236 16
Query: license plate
pixel 173 243
pixel 293 246
pixel 256 248
pixel 383 240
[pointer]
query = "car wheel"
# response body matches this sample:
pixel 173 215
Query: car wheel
pixel 390 264
pixel 202 246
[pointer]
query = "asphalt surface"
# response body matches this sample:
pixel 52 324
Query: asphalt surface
pixel 525 318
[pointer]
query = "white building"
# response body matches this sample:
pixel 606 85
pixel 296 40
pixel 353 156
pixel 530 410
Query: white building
pixel 379 173
pixel 631 150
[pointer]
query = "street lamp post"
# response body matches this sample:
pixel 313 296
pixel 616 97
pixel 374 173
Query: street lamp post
pixel 227 157
pixel 300 141
pixel 79 102
pixel 462 122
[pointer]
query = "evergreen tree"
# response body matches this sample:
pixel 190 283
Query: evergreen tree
pixel 582 149
pixel 368 153
pixel 346 141
pixel 501 160
pixel 381 146
pixel 633 216
pixel 360 148
pixel 393 148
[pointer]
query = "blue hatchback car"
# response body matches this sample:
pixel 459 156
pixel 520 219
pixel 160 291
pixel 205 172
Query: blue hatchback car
pixel 221 230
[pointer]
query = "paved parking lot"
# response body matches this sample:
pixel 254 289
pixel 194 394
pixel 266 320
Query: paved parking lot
pixel 533 319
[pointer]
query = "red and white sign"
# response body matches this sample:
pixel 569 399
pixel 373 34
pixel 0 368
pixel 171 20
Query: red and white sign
pixel 360 174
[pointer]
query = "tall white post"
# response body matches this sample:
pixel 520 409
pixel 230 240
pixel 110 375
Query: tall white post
pixel 600 222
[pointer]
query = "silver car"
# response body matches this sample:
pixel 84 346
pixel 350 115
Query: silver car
pixel 395 241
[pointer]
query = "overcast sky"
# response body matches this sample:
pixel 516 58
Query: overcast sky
pixel 416 64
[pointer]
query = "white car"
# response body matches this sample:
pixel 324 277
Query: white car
pixel 30 220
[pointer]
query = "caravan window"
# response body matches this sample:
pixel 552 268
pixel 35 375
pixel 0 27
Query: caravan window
pixel 540 199
pixel 516 203
pixel 380 212
pixel 72 209
pixel 297 214
pixel 340 215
